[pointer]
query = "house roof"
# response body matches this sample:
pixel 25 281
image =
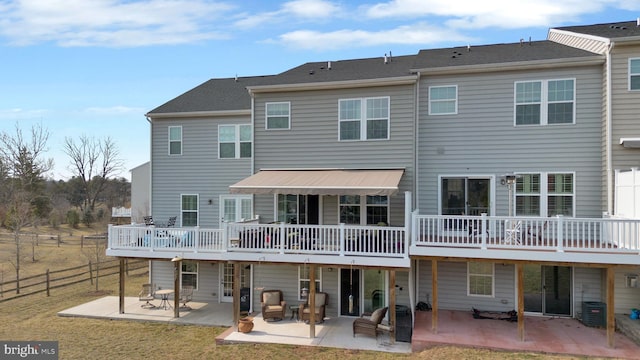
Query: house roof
pixel 524 51
pixel 609 30
pixel 225 94
pixel 346 70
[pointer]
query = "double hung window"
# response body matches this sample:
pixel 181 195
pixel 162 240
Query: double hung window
pixel 634 74
pixel 364 119
pixel 545 102
pixel 175 140
pixel 443 100
pixel 234 141
pixel 545 194
pixel 278 115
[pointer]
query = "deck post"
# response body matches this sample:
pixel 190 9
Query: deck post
pixel 520 271
pixel 434 290
pixel 121 289
pixel 483 231
pixel 392 306
pixel 312 301
pixel 611 319
pixel 342 239
pixel 236 294
pixel 177 263
pixel 560 234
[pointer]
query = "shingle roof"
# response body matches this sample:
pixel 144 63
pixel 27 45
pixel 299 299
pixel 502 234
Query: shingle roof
pixel 608 30
pixel 497 54
pixel 345 70
pixel 214 95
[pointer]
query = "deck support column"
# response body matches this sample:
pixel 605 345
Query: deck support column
pixel 236 294
pixel 121 289
pixel 520 275
pixel 434 290
pixel 312 301
pixel 392 306
pixel 611 319
pixel 177 268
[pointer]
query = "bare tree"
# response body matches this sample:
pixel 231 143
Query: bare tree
pixel 96 251
pixel 18 216
pixel 93 162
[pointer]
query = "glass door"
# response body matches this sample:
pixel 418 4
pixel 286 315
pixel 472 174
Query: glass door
pixel 235 208
pixel 350 292
pixel 226 281
pixel 547 289
pixel 463 196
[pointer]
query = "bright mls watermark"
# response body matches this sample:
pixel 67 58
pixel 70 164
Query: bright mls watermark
pixel 29 350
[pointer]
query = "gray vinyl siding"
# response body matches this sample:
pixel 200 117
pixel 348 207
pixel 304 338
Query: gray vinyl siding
pixel 312 141
pixel 626 121
pixel 197 171
pixel 626 298
pixel 452 287
pixel 285 278
pixel 482 139
pixel 587 286
pixel 208 283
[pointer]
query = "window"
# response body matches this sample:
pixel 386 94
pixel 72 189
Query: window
pixel 634 74
pixel 545 102
pixel 278 115
pixel 190 274
pixel 189 210
pixel 443 100
pixel 304 281
pixel 234 141
pixel 175 140
pixel 374 208
pixel 480 279
pixel 545 194
pixel 236 207
pixel 364 119
pixel 291 209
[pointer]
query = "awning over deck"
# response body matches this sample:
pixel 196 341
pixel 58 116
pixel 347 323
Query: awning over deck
pixel 321 182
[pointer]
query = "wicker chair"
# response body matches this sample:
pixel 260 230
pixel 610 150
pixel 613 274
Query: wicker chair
pixel 368 325
pixel 272 304
pixel 322 299
pixel 186 294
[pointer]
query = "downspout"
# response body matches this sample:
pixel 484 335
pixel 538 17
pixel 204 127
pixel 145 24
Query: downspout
pixel 609 129
pixel 416 142
pixel 150 182
pixel 253 134
pixel 413 268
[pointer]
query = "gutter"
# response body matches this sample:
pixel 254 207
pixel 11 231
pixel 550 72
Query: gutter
pixel 609 127
pixel 150 120
pixel 345 84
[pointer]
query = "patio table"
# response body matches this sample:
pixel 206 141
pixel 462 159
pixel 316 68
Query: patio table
pixel 164 296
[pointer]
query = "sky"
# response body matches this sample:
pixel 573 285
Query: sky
pixel 95 67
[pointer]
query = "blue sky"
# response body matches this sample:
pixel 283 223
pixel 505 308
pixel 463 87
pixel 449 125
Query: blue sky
pixel 95 67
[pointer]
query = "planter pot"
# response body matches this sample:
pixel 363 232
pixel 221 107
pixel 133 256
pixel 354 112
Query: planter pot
pixel 245 325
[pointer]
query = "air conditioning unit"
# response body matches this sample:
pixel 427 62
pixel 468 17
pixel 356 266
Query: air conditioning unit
pixel 594 314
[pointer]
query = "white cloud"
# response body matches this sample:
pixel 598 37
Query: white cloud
pixel 113 110
pixel 112 23
pixel 489 13
pixel 417 34
pixel 305 10
pixel 16 114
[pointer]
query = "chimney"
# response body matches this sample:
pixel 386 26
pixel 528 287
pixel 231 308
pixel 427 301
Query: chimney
pixel 469 47
pixel 329 65
pixel 385 58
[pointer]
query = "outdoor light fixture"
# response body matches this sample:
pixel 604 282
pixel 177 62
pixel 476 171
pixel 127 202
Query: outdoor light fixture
pixel 176 258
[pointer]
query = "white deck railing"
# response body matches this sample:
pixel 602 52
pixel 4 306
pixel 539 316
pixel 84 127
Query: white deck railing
pixel 374 241
pixel 528 233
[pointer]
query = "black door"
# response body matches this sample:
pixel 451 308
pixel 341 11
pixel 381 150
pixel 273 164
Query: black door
pixel 350 292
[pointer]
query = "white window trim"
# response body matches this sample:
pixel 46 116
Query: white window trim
pixel 363 118
pixel 236 141
pixel 197 211
pixel 169 141
pixel 544 192
pixel 493 281
pixel 455 111
pixel 630 74
pixel 266 115
pixel 197 273
pixel 300 279
pixel 544 102
pixel 363 208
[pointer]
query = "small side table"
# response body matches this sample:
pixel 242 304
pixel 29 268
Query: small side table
pixel 294 312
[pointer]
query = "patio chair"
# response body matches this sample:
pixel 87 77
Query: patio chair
pixel 172 221
pixel 536 232
pixel 272 304
pixel 368 323
pixel 186 294
pixel 148 220
pixel 512 232
pixel 147 294
pixel 322 299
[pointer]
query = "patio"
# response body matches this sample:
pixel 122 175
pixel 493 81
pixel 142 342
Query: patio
pixel 542 334
pixel 455 328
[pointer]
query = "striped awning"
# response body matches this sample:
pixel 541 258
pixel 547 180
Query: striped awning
pixel 321 182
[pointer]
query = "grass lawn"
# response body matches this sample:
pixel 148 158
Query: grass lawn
pixel 34 318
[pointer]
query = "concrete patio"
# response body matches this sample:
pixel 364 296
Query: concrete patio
pixel 455 328
pixel 542 334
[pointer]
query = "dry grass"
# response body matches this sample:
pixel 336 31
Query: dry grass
pixel 35 318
